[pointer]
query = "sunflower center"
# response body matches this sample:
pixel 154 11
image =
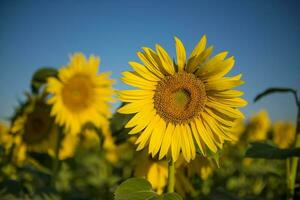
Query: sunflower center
pixel 38 125
pixel 77 93
pixel 179 98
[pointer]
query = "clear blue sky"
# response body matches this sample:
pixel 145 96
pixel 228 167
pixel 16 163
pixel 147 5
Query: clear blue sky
pixel 264 37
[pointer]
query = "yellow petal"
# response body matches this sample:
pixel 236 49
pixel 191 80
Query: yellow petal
pixel 166 140
pixel 191 141
pixel 133 95
pixel 175 145
pixel 225 110
pixel 216 67
pixel 219 117
pixel 215 138
pixel 135 107
pixel 199 47
pixel 223 84
pixel 232 102
pixel 137 81
pixel 197 138
pixel 143 71
pixel 181 54
pixel 157 137
pixel 225 94
pixel 140 120
pixel 215 127
pixel 144 137
pixel 150 66
pixel 166 61
pixel 205 135
pixel 185 144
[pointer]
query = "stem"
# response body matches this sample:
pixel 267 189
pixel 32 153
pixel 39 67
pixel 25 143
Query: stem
pixel 294 162
pixel 171 176
pixel 56 161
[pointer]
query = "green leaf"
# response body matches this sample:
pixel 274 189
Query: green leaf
pixel 221 194
pixel 40 77
pixel 135 189
pixel 117 127
pixel 140 189
pixel 172 196
pixel 267 151
pixel 275 90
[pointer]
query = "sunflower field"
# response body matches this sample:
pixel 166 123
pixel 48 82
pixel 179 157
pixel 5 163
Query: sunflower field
pixel 149 100
pixel 177 134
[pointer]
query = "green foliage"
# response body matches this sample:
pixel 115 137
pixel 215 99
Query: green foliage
pixel 140 189
pixel 117 125
pixel 267 151
pixel 40 77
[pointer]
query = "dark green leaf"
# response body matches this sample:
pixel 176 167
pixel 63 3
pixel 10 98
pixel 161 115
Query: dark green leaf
pixel 135 189
pixel 267 151
pixel 274 90
pixel 117 126
pixel 40 77
pixel 42 158
pixel 221 194
pixel 171 196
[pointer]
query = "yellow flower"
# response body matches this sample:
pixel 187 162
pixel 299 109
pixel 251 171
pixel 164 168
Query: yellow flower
pixel 179 104
pixel 34 127
pixel 79 94
pixel 6 139
pixel 258 126
pixel 156 172
pixel 284 134
pixel 34 131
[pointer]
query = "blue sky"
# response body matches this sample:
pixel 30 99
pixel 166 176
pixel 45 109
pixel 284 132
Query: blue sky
pixel 264 37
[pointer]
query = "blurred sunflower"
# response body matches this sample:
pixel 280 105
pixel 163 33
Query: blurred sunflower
pixel 34 131
pixel 180 104
pixel 259 125
pixel 283 134
pixel 156 172
pixel 79 94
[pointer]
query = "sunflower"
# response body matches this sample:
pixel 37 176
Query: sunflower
pixel 283 134
pixel 259 125
pixel 79 94
pixel 183 105
pixel 34 131
pixel 34 127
